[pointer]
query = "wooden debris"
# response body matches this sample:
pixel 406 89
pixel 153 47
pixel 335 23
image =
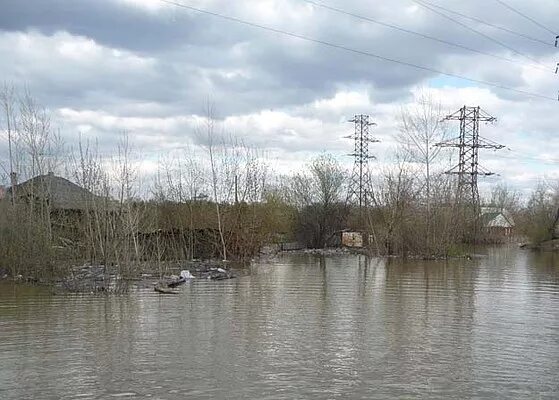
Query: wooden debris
pixel 164 290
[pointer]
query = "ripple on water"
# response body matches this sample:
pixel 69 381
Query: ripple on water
pixel 338 328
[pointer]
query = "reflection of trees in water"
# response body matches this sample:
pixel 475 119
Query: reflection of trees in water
pixel 430 308
pixel 321 326
pixel 505 264
pixel 496 264
pixel 401 320
pixel 363 272
pixel 542 267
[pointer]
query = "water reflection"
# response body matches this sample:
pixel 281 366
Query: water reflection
pixel 299 327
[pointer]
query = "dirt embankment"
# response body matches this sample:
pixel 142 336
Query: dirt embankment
pixel 548 245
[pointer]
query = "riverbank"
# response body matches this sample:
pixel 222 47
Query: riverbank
pixel 548 245
pixel 341 251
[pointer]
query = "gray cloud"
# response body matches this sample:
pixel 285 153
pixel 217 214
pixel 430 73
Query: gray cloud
pixel 104 66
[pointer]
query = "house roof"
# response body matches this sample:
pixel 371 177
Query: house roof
pixel 60 192
pixel 496 219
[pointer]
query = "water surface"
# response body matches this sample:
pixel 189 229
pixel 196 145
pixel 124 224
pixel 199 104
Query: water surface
pixel 300 326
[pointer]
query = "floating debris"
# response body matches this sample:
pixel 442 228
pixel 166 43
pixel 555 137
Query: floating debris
pixel 164 290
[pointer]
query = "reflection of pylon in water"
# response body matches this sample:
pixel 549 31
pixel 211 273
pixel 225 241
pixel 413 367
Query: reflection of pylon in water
pixel 360 190
pixel 469 142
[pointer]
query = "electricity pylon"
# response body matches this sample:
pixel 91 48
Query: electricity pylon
pixel 468 143
pixel 360 190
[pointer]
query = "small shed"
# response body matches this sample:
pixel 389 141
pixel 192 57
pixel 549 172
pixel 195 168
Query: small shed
pixel 352 239
pixel 497 222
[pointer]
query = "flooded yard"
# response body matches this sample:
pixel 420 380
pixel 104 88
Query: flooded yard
pixel 300 326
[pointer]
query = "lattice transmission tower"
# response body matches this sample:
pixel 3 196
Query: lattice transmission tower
pixel 360 190
pixel 468 143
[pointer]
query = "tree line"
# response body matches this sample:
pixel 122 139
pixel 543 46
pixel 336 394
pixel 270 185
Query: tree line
pixel 221 199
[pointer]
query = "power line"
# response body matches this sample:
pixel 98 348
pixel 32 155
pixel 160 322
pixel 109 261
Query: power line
pixel 519 34
pixel 525 16
pixel 478 32
pixel 517 156
pixel 422 35
pixel 532 161
pixel 355 51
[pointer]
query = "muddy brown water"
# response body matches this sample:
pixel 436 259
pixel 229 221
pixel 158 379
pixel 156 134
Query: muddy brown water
pixel 298 327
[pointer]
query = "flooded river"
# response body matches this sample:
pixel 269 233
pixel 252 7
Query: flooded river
pixel 298 327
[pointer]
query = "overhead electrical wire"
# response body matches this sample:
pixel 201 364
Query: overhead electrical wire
pixel 422 35
pixel 525 16
pixel 424 5
pixel 523 156
pixel 502 28
pixel 355 51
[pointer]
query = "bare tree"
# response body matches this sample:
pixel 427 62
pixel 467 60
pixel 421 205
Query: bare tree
pixel 317 193
pixel 540 218
pixel 209 134
pixel 422 126
pixel 34 147
pixel 395 199
pixel 7 99
pixel 505 198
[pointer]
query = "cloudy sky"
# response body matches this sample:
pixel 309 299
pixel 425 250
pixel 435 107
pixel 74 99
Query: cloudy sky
pixel 150 67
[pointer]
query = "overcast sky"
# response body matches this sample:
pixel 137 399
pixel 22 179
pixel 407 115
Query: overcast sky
pixel 149 67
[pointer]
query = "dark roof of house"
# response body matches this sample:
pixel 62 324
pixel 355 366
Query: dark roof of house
pixel 60 192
